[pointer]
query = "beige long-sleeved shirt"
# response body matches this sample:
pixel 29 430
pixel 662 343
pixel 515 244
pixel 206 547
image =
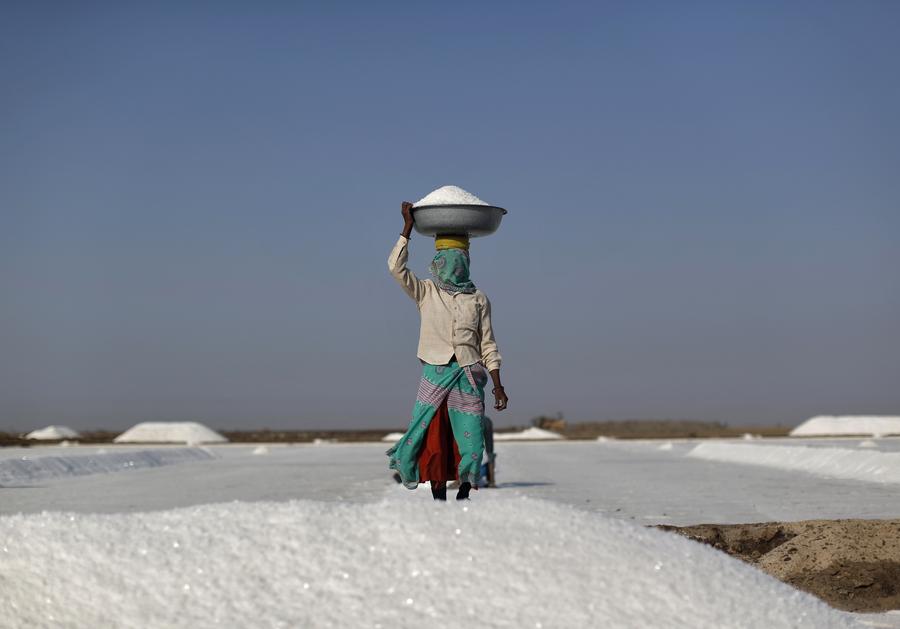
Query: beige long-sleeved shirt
pixel 452 323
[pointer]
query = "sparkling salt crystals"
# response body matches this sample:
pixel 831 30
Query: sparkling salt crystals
pixel 449 195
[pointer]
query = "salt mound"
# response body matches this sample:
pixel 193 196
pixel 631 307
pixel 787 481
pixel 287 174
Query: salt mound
pixel 822 425
pixel 450 195
pixel 529 563
pixel 53 433
pixel 392 437
pixel 865 465
pixel 170 432
pixel 529 434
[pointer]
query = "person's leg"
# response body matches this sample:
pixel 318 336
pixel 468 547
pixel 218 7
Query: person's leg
pixel 439 490
pixel 488 427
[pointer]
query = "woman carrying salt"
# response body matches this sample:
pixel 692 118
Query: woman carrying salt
pixel 444 440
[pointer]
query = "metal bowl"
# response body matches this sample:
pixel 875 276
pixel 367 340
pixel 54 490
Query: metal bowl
pixel 471 220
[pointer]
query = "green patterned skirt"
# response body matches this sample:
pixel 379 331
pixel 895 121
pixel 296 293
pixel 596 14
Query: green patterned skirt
pixel 462 388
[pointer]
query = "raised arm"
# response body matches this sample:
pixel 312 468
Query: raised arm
pixel 490 356
pixel 413 286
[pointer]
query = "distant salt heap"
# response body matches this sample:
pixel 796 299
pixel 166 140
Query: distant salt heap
pixel 824 425
pixel 170 432
pixel 392 437
pixel 529 434
pixel 53 433
pixel 450 195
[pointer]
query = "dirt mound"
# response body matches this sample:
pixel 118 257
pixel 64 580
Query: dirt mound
pixel 853 565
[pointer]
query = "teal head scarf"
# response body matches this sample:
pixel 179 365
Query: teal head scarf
pixel 450 270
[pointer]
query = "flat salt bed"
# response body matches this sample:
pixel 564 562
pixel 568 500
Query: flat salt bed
pixel 632 480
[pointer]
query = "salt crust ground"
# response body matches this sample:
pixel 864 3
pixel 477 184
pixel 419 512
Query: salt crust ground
pixel 29 469
pixel 400 562
pixel 862 465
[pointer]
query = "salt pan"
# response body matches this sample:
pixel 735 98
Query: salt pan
pixel 449 195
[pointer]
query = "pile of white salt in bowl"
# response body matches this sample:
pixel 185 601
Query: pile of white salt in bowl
pixel 449 195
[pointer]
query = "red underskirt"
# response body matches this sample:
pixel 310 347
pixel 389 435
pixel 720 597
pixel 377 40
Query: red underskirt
pixel 439 458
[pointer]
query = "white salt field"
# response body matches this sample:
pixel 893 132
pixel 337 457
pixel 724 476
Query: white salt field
pixel 624 479
pixel 322 536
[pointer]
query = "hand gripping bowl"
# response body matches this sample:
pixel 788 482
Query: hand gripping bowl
pixel 457 220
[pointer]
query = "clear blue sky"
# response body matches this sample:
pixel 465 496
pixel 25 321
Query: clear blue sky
pixel 197 202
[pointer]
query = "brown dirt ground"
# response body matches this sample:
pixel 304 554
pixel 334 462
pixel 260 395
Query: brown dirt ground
pixel 626 429
pixel 666 429
pixel 852 565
